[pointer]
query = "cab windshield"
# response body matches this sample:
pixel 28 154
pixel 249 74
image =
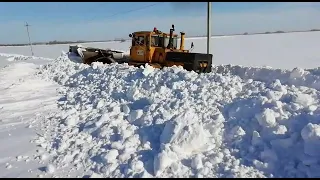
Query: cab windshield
pixel 174 41
pixel 160 41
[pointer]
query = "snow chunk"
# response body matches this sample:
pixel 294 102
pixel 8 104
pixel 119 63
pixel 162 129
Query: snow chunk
pixel 185 134
pixel 237 132
pixel 164 159
pixel 147 70
pixel 197 162
pixel 50 168
pixel 8 166
pixel 71 121
pixel 303 99
pixel 100 104
pixel 297 73
pixel 137 166
pixel 43 157
pixel 111 156
pixel 95 175
pixel 125 109
pixel 266 118
pixel 134 115
pixel 311 136
pixel 181 137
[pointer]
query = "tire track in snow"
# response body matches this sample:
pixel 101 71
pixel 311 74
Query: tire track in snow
pixel 25 100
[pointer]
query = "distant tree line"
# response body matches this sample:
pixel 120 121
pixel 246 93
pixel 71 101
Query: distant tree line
pixel 120 39
pixel 275 32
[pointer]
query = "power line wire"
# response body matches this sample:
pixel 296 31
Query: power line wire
pixel 123 12
pixel 115 14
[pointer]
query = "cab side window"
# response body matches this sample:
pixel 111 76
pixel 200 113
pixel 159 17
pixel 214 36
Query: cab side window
pixel 140 40
pixel 155 41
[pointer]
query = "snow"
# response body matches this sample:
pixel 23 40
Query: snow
pixel 266 118
pixel 61 118
pixel 24 101
pixel 50 169
pixel 283 50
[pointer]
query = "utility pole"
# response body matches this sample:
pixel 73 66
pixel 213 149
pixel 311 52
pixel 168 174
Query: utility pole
pixel 208 27
pixel 27 25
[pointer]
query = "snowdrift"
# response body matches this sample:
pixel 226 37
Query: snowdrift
pixel 297 76
pixel 123 121
pixel 16 57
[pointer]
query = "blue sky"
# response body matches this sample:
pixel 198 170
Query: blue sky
pixel 105 20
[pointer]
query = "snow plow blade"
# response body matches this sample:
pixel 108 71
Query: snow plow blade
pixel 89 55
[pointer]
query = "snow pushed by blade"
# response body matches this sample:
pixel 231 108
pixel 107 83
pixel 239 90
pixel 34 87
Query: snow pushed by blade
pixel 297 76
pixel 274 129
pixel 123 121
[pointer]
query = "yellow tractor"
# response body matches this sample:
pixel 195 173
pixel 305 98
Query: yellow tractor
pixel 156 48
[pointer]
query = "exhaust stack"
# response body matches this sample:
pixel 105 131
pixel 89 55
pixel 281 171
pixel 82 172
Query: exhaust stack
pixel 170 44
pixel 182 41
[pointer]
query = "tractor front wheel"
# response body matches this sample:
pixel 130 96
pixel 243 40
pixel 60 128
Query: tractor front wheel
pixel 106 60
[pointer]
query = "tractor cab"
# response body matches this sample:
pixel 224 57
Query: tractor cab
pixel 152 46
pixel 157 39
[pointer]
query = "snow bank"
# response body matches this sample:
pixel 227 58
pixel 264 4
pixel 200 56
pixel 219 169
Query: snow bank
pixel 122 121
pixel 297 76
pixel 119 117
pixel 17 57
pixel 275 129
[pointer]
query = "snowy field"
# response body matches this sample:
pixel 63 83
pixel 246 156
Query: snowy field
pixel 59 118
